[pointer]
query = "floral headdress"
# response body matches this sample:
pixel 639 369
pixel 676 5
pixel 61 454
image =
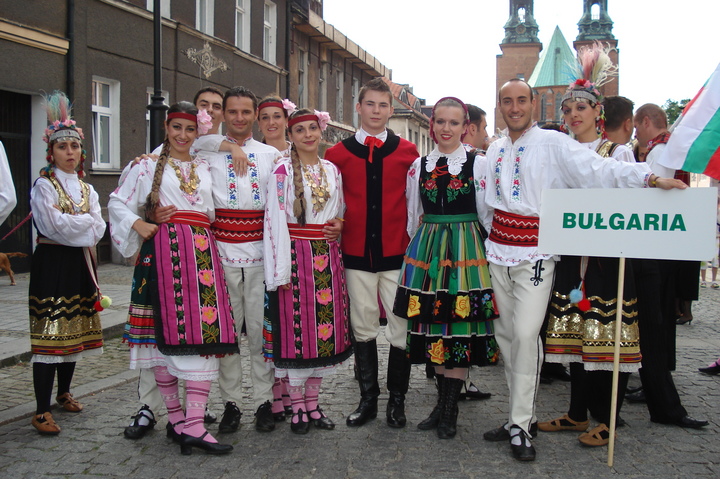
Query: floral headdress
pixel 61 127
pixel 285 105
pixel 593 69
pixel 322 117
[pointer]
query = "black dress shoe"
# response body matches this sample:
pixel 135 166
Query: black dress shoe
pixel 689 422
pixel 136 430
pixel 555 371
pixel 171 434
pixel 637 397
pixel 473 393
pixel 188 442
pixel 630 390
pixel 502 434
pixel 712 369
pixel 264 420
pixel 231 418
pixel 302 426
pixel 522 448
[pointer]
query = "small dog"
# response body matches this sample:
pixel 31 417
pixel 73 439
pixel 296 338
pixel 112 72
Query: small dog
pixel 5 264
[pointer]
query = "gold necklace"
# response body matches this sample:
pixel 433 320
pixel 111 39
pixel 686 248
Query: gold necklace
pixel 189 183
pixel 318 186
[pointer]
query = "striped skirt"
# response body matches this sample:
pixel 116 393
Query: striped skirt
pixel 308 326
pixel 179 299
pixel 446 295
pixel 588 337
pixel 64 325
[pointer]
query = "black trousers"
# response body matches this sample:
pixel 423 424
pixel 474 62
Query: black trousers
pixel 656 318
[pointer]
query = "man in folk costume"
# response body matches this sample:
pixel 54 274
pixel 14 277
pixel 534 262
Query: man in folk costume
pixel 519 166
pixel 656 285
pixel 374 163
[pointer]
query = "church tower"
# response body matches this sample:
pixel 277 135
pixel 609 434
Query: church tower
pixel 596 25
pixel 520 47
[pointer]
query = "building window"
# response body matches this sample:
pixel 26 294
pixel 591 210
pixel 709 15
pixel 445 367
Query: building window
pixel 340 96
pixel 270 32
pixel 106 123
pixel 543 108
pixel 558 107
pixel 150 93
pixel 242 24
pixel 302 79
pixel 205 13
pixel 164 7
pixel 355 93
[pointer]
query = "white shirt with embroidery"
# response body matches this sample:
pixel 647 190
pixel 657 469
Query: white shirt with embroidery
pixel 128 200
pixel 279 212
pixel 516 173
pixel 234 192
pixel 79 230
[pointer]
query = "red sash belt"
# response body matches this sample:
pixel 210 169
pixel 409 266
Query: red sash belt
pixel 238 226
pixel 307 232
pixel 192 218
pixel 514 230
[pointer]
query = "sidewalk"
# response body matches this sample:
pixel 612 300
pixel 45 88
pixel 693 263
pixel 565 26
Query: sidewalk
pixel 92 445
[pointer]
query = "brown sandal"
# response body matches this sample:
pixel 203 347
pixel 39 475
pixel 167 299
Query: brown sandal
pixel 45 424
pixel 67 402
pixel 563 424
pixel 595 438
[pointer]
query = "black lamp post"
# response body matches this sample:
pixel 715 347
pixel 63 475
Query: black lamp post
pixel 157 106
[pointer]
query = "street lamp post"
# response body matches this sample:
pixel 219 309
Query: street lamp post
pixel 157 106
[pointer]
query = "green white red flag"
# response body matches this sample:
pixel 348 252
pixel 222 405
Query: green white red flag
pixel 694 145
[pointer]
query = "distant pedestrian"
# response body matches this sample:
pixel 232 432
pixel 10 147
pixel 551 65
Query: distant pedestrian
pixel 64 321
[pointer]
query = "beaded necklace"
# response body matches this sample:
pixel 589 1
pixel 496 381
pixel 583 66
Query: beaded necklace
pixel 318 186
pixel 188 183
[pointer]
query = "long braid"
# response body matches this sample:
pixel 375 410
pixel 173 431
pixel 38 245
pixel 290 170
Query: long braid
pixel 153 198
pixel 299 205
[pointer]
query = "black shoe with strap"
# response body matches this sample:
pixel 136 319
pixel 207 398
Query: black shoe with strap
pixel 136 430
pixel 520 444
pixel 188 442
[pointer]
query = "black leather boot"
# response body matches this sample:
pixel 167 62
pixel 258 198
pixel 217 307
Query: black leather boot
pixel 434 418
pixel 366 358
pixel 447 427
pixel 398 377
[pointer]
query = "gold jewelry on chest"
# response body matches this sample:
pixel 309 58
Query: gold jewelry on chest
pixel 66 202
pixel 188 183
pixel 317 181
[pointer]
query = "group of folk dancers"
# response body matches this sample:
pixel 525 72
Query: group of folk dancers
pixel 303 251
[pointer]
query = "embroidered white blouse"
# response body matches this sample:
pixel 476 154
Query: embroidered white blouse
pixel 455 161
pixel 127 201
pixel 516 173
pixel 278 213
pixel 79 230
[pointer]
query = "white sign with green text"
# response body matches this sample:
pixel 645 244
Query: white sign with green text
pixel 630 223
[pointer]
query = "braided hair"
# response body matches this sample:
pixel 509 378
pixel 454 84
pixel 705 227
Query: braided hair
pixel 153 197
pixel 300 203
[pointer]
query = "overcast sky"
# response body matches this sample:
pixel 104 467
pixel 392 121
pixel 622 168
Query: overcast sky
pixel 668 49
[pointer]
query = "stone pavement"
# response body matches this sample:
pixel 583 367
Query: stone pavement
pixel 92 445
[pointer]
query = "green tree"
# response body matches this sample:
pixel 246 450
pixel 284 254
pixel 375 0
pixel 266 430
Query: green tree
pixel 673 109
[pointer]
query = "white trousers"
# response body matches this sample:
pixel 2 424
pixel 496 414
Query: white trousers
pixel 148 391
pixel 363 289
pixel 247 297
pixel 522 293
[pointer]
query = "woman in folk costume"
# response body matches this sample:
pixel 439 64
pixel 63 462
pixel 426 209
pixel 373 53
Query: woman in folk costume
pixel 582 309
pixel 63 296
pixel 445 290
pixel 180 319
pixel 272 121
pixel 307 328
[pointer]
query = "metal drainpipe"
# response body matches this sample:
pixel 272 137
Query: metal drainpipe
pixel 288 43
pixel 70 58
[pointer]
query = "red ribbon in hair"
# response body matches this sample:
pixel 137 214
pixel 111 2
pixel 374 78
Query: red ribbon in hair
pixel 184 116
pixel 269 104
pixel 300 118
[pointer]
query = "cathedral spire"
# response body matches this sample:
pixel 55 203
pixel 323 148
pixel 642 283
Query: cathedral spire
pixel 595 23
pixel 521 26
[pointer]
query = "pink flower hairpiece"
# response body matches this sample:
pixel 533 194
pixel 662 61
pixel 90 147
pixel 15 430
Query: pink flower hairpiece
pixel 323 119
pixel 67 124
pixel 289 106
pixel 204 122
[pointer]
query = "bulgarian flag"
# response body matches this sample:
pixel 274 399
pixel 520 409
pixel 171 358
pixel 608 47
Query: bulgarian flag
pixel 694 145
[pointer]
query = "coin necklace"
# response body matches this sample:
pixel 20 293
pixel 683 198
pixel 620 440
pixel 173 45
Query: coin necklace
pixel 188 183
pixel 318 186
